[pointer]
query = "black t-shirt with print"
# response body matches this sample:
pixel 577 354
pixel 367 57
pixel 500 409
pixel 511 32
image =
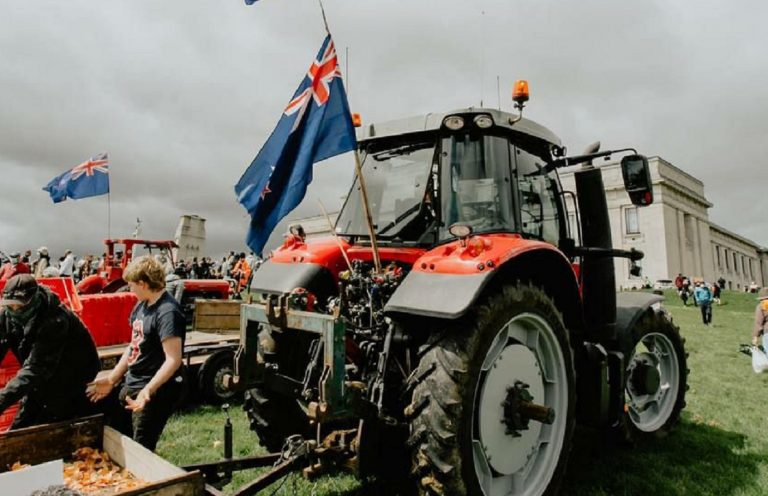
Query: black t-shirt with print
pixel 150 326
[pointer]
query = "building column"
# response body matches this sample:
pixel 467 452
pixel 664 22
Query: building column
pixel 696 248
pixel 684 262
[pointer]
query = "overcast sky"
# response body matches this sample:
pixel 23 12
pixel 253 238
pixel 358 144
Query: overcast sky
pixel 182 94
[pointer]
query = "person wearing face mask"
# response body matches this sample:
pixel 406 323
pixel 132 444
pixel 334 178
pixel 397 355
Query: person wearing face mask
pixel 57 355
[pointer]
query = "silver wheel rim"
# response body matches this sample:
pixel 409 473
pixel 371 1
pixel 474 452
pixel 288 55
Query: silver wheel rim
pixel 525 349
pixel 649 411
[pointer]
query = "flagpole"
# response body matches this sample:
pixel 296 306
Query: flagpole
pixel 366 208
pixel 325 21
pixel 363 190
pixel 109 216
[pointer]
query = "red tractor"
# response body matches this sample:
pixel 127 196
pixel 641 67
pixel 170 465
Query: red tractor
pixel 467 356
pixel 120 252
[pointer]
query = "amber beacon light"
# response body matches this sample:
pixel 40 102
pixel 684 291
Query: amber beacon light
pixel 520 93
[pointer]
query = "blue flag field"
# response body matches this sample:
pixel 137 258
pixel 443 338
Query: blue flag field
pixel 91 178
pixel 315 125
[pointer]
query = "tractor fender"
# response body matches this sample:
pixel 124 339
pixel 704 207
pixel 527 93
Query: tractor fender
pixel 630 307
pixel 445 281
pixel 279 278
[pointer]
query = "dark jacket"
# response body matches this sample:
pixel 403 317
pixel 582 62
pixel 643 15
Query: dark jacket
pixel 58 358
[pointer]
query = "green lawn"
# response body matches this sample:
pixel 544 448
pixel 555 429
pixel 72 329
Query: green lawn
pixel 720 447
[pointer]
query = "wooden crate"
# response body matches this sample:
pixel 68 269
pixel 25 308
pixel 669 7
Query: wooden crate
pixel 217 315
pixel 36 445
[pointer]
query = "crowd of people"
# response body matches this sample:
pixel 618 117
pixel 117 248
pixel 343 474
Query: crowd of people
pixel 702 293
pixel 59 380
pixel 236 266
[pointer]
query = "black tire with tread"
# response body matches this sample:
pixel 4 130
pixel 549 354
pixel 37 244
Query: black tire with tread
pixel 274 417
pixel 443 398
pixel 658 322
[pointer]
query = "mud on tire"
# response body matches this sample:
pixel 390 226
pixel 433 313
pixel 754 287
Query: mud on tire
pixel 450 377
pixel 274 417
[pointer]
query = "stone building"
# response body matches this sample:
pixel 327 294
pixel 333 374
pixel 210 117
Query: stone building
pixel 675 232
pixel 190 236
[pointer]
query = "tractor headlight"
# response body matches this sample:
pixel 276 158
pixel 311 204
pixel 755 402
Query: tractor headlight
pixel 483 121
pixel 454 122
pixel 460 230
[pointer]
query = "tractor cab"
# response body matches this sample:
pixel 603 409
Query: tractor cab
pixel 469 167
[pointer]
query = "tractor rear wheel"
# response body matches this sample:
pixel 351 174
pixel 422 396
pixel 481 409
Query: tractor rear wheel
pixel 274 417
pixel 657 375
pixel 493 408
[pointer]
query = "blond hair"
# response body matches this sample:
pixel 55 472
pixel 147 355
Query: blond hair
pixel 148 270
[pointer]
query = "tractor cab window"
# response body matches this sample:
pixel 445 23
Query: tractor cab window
pixel 397 178
pixel 475 184
pixel 538 197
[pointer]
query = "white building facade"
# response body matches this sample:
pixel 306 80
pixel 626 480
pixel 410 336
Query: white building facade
pixel 674 232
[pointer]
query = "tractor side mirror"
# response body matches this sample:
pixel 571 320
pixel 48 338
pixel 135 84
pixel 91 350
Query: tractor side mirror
pixel 637 179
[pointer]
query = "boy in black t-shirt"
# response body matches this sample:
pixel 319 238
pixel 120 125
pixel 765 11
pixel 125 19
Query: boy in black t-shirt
pixel 150 368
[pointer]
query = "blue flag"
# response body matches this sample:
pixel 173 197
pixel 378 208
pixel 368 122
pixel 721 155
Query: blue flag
pixel 315 125
pixel 91 178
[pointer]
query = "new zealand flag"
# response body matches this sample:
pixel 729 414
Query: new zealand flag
pixel 91 178
pixel 315 125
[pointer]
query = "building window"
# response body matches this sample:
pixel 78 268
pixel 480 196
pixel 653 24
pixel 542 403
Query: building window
pixel 719 260
pixel 735 263
pixel 743 265
pixel 727 261
pixel 630 220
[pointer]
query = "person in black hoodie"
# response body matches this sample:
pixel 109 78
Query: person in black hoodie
pixel 57 355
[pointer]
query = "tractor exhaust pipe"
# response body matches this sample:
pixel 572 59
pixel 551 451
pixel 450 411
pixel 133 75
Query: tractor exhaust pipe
pixel 599 280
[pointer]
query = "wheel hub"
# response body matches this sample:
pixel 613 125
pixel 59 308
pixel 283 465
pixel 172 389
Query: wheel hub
pixel 508 438
pixel 646 378
pixel 519 409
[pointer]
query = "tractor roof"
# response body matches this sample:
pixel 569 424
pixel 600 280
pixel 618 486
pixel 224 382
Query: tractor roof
pixel 434 121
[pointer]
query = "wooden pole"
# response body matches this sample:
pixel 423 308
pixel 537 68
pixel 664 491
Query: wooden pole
pixel 366 208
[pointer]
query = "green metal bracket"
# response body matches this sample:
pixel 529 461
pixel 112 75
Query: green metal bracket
pixel 334 402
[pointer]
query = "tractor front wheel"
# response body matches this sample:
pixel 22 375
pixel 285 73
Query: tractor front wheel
pixel 493 406
pixel 656 377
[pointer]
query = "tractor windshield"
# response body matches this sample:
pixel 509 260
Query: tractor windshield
pixel 397 176
pixel 420 186
pixel 476 184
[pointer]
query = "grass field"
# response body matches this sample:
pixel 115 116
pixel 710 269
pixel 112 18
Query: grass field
pixel 719 448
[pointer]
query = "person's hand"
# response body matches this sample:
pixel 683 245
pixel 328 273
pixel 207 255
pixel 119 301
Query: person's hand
pixel 140 402
pixel 99 389
pixel 754 341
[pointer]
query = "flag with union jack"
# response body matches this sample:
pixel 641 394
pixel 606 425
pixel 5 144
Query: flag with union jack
pixel 91 178
pixel 315 125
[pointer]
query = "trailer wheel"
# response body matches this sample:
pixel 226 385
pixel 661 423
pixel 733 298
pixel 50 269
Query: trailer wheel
pixel 210 378
pixel 274 417
pixel 481 385
pixel 657 376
